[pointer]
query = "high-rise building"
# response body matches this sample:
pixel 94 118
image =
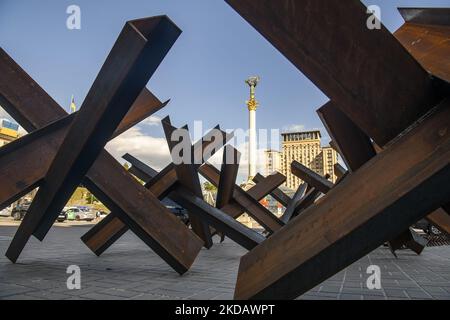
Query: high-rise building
pixel 272 161
pixel 306 148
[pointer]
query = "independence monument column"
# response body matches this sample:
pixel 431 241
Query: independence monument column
pixel 252 105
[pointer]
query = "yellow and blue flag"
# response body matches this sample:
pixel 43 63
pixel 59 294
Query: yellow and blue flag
pixel 73 107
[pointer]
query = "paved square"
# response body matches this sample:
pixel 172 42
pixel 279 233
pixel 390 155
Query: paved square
pixel 130 270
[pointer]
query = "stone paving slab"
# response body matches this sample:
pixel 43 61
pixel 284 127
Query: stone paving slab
pixel 131 271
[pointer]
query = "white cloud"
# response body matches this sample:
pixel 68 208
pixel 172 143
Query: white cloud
pixel 150 150
pixel 151 121
pixel 294 128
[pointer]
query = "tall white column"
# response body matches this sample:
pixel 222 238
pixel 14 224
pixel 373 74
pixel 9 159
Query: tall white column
pixel 252 105
pixel 252 152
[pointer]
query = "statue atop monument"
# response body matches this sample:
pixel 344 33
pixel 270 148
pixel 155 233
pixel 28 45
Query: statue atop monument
pixel 252 82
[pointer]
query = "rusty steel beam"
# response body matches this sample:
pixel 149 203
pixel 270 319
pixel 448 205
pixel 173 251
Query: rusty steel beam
pixel 222 222
pixel 225 224
pixel 410 239
pixel 228 175
pixel 146 216
pixel 242 235
pixel 37 149
pixel 329 42
pixel 188 177
pixel 295 202
pixel 139 169
pixel 426 35
pixel 339 171
pixel 352 143
pixel 190 196
pixel 24 162
pixel 440 219
pixel 16 90
pixel 248 201
pixel 270 183
pixel 146 42
pixel 277 194
pixel 333 234
pixel 108 231
pixel 104 234
pixel 304 203
pixel 103 171
pixel 310 177
pixel 356 148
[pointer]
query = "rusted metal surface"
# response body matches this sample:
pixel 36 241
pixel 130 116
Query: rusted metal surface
pixel 98 176
pixel 144 214
pixel 242 235
pixel 333 234
pixel 352 143
pixel 356 149
pixel 426 35
pixel 346 60
pixel 36 151
pixel 339 171
pixel 146 43
pixel 222 222
pixel 161 184
pixel 225 224
pixel 293 205
pixel 24 162
pixel 248 201
pixel 409 239
pixel 277 194
pixel 103 235
pixel 188 177
pixel 441 219
pixel 139 169
pixel 167 248
pixel 190 196
pixel 310 177
pixel 228 175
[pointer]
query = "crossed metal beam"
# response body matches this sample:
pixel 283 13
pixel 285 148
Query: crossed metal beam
pixel 188 195
pixel 166 183
pixel 161 184
pixel 144 214
pixel 409 118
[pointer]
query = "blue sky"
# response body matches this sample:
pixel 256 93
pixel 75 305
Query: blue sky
pixel 203 74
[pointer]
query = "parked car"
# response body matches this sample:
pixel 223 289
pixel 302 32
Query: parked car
pixel 20 211
pixel 62 216
pixel 80 214
pixel 101 214
pixel 426 227
pixel 5 212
